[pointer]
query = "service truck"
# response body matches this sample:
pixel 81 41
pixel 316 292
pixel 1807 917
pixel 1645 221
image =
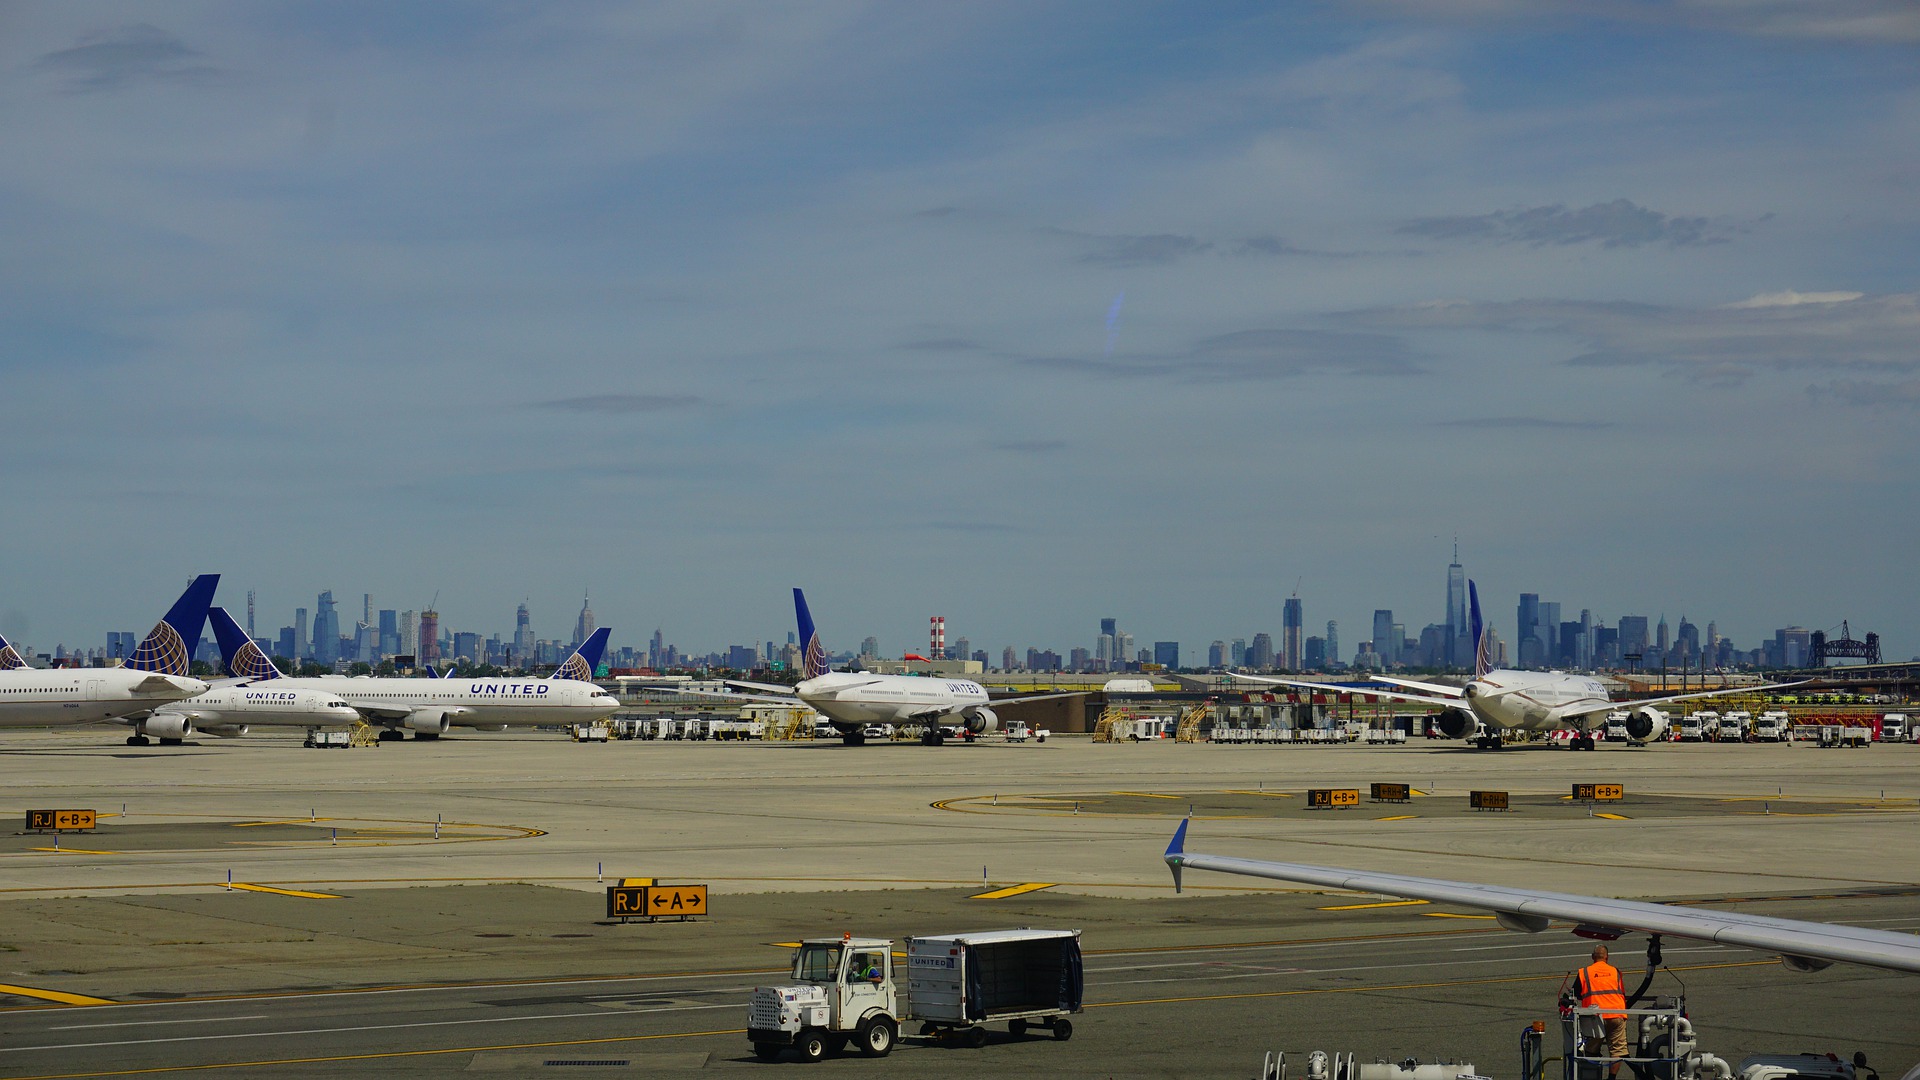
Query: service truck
pixel 1695 727
pixel 847 990
pixel 1893 727
pixel 1734 725
pixel 1773 727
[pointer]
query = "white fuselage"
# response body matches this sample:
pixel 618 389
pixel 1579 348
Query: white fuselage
pixel 34 697
pixel 1536 700
pixel 484 703
pixel 263 705
pixel 855 699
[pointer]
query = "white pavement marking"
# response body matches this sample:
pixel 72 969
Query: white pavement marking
pixel 155 1023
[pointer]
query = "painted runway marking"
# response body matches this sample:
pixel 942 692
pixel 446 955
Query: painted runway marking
pixel 1376 904
pixel 286 892
pixel 152 1023
pixel 60 996
pixel 1013 890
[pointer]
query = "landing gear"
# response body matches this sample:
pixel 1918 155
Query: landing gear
pixel 390 735
pixel 853 738
pixel 425 736
pixel 170 742
pixel 933 736
pixel 1584 742
pixel 1486 742
pixel 138 740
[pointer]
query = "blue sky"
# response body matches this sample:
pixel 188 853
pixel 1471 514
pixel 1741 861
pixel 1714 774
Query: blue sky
pixel 1023 314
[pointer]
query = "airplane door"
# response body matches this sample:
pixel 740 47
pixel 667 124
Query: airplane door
pixel 96 689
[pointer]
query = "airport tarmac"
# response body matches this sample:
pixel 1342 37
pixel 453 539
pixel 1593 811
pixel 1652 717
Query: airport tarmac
pixel 471 870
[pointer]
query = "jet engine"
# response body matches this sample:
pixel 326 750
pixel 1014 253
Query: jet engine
pixel 980 720
pixel 1455 723
pixel 428 722
pixel 225 731
pixel 167 726
pixel 1646 724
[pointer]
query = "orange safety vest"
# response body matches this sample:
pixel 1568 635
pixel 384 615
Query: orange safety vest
pixel 1600 988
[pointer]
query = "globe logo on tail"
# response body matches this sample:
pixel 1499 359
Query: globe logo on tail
pixel 251 663
pixel 162 652
pixel 10 657
pixel 575 668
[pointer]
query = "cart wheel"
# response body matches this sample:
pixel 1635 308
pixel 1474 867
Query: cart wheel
pixel 1062 1030
pixel 766 1051
pixel 875 1037
pixel 1017 1028
pixel 812 1045
pixel 976 1037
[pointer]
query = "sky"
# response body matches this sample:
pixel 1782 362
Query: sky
pixel 1023 314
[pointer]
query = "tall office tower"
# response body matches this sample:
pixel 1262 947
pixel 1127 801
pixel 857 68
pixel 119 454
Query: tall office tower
pixel 410 635
pixel 389 631
pixel 1459 651
pixel 429 638
pixel 870 646
pixel 366 608
pixel 326 631
pixel 1687 642
pixel 522 651
pixel 1549 632
pixel 1103 649
pixel 1662 640
pixel 1713 639
pixel 249 614
pixel 1110 627
pixel 1292 641
pixel 1584 659
pixel 937 637
pixel 1167 654
pixel 1122 647
pixel 302 648
pixel 1217 655
pixel 962 650
pixel 657 649
pixel 584 626
pixel 1385 645
pixel 1333 642
pixel 1527 636
pixel 1238 652
pixel 1633 636
pixel 1260 654
pixel 1007 659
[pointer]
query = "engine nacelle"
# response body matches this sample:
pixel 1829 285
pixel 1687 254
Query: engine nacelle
pixel 167 726
pixel 1647 724
pixel 225 731
pixel 980 720
pixel 428 722
pixel 1455 723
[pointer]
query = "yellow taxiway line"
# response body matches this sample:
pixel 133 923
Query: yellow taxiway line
pixel 1376 904
pixel 1013 890
pixel 284 892
pixel 60 996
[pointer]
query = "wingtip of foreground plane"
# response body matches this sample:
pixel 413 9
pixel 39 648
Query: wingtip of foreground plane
pixel 1175 849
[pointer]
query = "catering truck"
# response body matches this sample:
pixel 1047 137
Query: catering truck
pixel 848 990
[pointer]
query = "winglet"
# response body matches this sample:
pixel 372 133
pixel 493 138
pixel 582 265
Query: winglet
pixel 238 654
pixel 10 656
pixel 813 653
pixel 1482 648
pixel 168 647
pixel 1176 849
pixel 580 667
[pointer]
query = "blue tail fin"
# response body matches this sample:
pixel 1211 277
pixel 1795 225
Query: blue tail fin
pixel 585 660
pixel 168 647
pixel 813 654
pixel 9 657
pixel 1482 647
pixel 239 656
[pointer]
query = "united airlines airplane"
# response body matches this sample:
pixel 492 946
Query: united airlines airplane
pixel 431 707
pixel 854 700
pixel 230 709
pixel 1499 699
pixel 156 674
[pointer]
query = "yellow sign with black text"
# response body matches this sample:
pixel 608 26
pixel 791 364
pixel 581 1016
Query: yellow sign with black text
pixel 60 820
pixel 1392 793
pixel 669 900
pixel 1487 800
pixel 1333 797
pixel 1598 792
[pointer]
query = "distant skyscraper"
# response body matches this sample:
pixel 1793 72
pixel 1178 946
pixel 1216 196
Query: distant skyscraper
pixel 1333 642
pixel 302 648
pixel 1292 641
pixel 1664 641
pixel 522 636
pixel 1459 624
pixel 389 631
pixel 1110 627
pixel 1527 637
pixel 1633 636
pixel 870 646
pixel 326 631
pixel 657 650
pixel 1260 654
pixel 1549 632
pixel 249 613
pixel 1239 652
pixel 410 635
pixel 1167 654
pixel 1217 655
pixel 584 626
pixel 1386 646
pixel 429 637
pixel 1315 657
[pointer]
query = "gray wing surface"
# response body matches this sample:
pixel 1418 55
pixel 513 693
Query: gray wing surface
pixel 1328 688
pixel 1803 945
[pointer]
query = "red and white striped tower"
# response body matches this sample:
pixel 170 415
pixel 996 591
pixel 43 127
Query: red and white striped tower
pixel 938 645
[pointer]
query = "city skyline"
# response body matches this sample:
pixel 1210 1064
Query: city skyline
pixel 1019 314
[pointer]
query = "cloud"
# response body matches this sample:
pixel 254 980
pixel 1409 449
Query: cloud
pixel 1870 22
pixel 1495 423
pixel 942 345
pixel 1031 446
pixel 1725 345
pixel 1789 298
pixel 1256 355
pixel 1157 249
pixel 623 404
pixel 1620 223
pixel 1903 394
pixel 116 58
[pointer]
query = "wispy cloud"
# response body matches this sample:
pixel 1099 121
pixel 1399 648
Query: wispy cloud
pixel 1255 355
pixel 1904 394
pixel 1157 249
pixel 1871 22
pixel 1620 223
pixel 1540 423
pixel 1723 345
pixel 624 403
pixel 113 59
pixel 947 345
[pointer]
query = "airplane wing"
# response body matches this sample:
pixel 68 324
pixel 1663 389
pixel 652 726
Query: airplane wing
pixel 1034 697
pixel 1329 688
pixel 761 687
pixel 1424 687
pixel 782 699
pixel 1613 705
pixel 1803 946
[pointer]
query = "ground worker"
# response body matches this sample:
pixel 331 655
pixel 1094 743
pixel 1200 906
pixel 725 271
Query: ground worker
pixel 1599 987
